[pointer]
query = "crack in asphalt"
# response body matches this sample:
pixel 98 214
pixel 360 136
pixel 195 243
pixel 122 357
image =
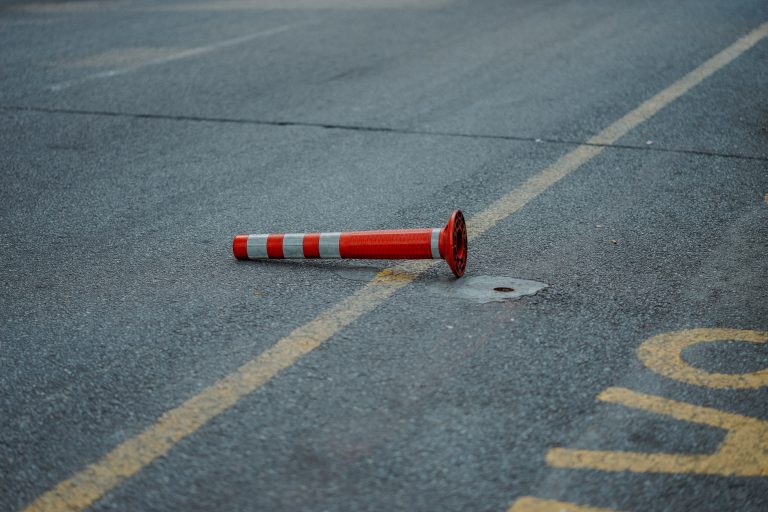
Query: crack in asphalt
pixel 380 129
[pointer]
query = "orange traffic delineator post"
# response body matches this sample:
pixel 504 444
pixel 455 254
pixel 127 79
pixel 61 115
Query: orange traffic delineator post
pixel 449 243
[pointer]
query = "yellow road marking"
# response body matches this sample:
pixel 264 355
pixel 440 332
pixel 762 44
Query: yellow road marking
pixel 744 452
pixel 662 355
pixel 92 482
pixel 531 504
pixel 129 457
pixel 535 185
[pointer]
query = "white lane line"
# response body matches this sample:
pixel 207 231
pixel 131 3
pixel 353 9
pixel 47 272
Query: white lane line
pixel 192 52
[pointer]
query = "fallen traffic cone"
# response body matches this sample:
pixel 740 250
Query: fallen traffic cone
pixel 449 243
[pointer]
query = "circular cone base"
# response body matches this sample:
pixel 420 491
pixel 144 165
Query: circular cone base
pixel 456 243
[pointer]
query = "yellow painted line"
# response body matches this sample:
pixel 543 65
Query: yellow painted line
pixel 92 482
pixel 535 185
pixel 743 452
pixel 129 457
pixel 531 504
pixel 662 354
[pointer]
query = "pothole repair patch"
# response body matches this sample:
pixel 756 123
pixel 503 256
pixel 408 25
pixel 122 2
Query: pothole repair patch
pixel 483 289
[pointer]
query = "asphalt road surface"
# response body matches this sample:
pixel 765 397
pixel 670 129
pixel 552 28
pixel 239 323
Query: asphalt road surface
pixel 615 151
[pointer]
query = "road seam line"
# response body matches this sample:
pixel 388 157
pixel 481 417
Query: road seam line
pixel 127 458
pixel 380 129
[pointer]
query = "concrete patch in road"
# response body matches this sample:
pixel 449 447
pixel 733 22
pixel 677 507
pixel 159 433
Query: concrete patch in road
pixel 484 289
pixel 358 272
pixel 480 289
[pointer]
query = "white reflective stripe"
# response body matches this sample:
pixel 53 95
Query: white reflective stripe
pixel 293 245
pixel 435 244
pixel 257 246
pixel 329 245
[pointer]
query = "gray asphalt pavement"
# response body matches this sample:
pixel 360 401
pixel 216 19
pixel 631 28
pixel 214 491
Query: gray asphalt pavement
pixel 137 137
